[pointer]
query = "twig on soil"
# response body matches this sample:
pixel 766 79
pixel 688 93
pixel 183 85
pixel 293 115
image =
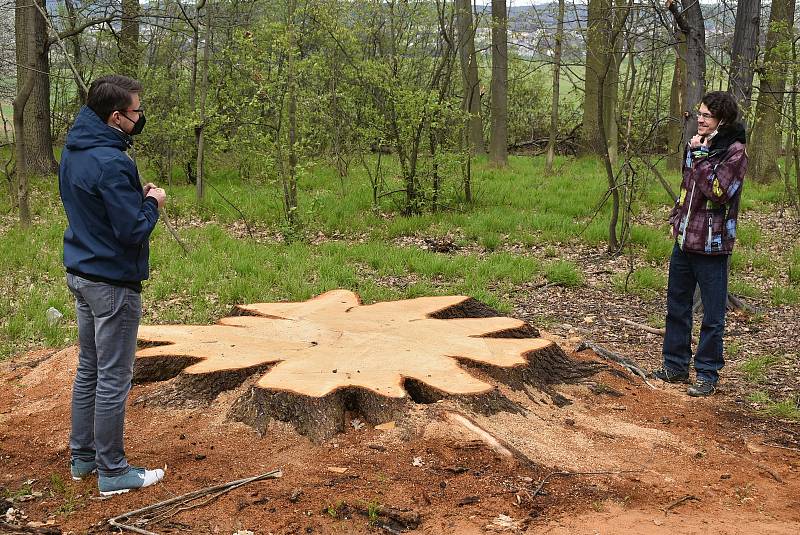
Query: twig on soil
pixel 405 518
pixel 499 446
pixel 647 328
pixel 770 471
pixel 676 503
pixel 172 230
pixel 216 490
pixel 773 445
pixel 614 357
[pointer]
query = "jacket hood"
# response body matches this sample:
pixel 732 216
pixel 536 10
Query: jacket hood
pixel 728 135
pixel 89 131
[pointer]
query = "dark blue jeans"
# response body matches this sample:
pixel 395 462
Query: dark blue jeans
pixel 710 273
pixel 108 321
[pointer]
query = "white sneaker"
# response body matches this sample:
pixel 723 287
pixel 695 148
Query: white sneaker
pixel 135 478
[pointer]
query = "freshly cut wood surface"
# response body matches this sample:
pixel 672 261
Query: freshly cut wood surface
pixel 332 342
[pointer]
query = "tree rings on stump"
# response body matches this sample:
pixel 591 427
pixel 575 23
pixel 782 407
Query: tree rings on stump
pixel 314 360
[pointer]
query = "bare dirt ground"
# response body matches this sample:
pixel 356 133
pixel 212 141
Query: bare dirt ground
pixel 621 458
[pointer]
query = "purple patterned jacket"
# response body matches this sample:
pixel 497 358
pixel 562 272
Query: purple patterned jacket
pixel 704 216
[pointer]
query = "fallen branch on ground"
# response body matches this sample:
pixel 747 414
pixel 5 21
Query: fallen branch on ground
pixel 614 357
pixel 407 519
pixel 174 504
pixel 647 328
pixel 494 443
pixel 676 503
pixel 773 445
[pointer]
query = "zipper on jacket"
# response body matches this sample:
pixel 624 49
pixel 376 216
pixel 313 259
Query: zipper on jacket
pixel 708 240
pixel 687 216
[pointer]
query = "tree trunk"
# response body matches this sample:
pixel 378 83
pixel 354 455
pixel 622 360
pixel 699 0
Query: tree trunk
pixel 469 74
pixel 766 141
pixel 690 23
pixel 743 53
pixel 34 54
pixel 551 145
pixel 602 60
pixel 201 127
pixel 606 112
pixel 597 28
pixel 75 50
pixel 498 146
pixel 452 348
pixel 129 52
pixel 677 106
pixel 195 45
pixel 25 86
pixel 290 176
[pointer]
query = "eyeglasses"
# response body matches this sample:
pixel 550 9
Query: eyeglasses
pixel 704 115
pixel 139 110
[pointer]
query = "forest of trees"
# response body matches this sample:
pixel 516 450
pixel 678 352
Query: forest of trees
pixel 277 86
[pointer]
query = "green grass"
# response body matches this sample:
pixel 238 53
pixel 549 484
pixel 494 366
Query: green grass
pixel 564 273
pixel 517 205
pixel 643 281
pixel 786 409
pixel 755 368
pixel 785 295
pixel 793 269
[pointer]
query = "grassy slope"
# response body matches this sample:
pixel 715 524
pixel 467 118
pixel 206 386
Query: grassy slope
pixel 514 206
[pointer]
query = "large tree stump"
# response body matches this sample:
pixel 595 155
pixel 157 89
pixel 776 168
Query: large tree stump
pixel 317 359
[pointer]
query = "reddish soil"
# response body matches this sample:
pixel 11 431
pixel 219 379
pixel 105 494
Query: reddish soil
pixel 641 460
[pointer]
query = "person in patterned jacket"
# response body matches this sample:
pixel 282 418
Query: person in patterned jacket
pixel 704 226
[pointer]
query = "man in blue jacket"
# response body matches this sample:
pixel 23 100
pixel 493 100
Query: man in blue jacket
pixel 106 256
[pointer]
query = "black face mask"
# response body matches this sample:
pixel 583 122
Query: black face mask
pixel 138 125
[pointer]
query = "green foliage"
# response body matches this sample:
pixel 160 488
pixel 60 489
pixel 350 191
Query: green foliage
pixel 32 281
pixel 642 281
pixel 755 368
pixel 793 270
pixel 564 273
pixel 785 295
pixel 787 409
pixel 67 495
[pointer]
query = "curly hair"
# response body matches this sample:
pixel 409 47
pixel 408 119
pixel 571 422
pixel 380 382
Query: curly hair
pixel 722 105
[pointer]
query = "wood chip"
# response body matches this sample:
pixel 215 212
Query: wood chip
pixel 337 469
pixel 469 500
pixel 387 426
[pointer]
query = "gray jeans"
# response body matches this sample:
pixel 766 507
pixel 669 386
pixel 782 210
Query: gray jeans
pixel 108 321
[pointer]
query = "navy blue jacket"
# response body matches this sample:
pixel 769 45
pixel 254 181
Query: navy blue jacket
pixel 109 219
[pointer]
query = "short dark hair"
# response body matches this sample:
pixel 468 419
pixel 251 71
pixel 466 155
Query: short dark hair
pixel 110 93
pixel 722 105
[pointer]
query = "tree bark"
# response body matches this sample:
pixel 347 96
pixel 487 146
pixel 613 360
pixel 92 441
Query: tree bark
pixel 469 75
pixel 75 50
pixel 290 176
pixel 602 60
pixel 690 23
pixel 597 28
pixel 498 146
pixel 195 45
pixel 743 53
pixel 129 52
pixel 677 106
pixel 199 130
pixel 551 145
pixel 766 142
pixel 32 58
pixel 25 86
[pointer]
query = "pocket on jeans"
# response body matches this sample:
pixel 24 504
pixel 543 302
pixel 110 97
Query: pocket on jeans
pixel 133 301
pixel 100 298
